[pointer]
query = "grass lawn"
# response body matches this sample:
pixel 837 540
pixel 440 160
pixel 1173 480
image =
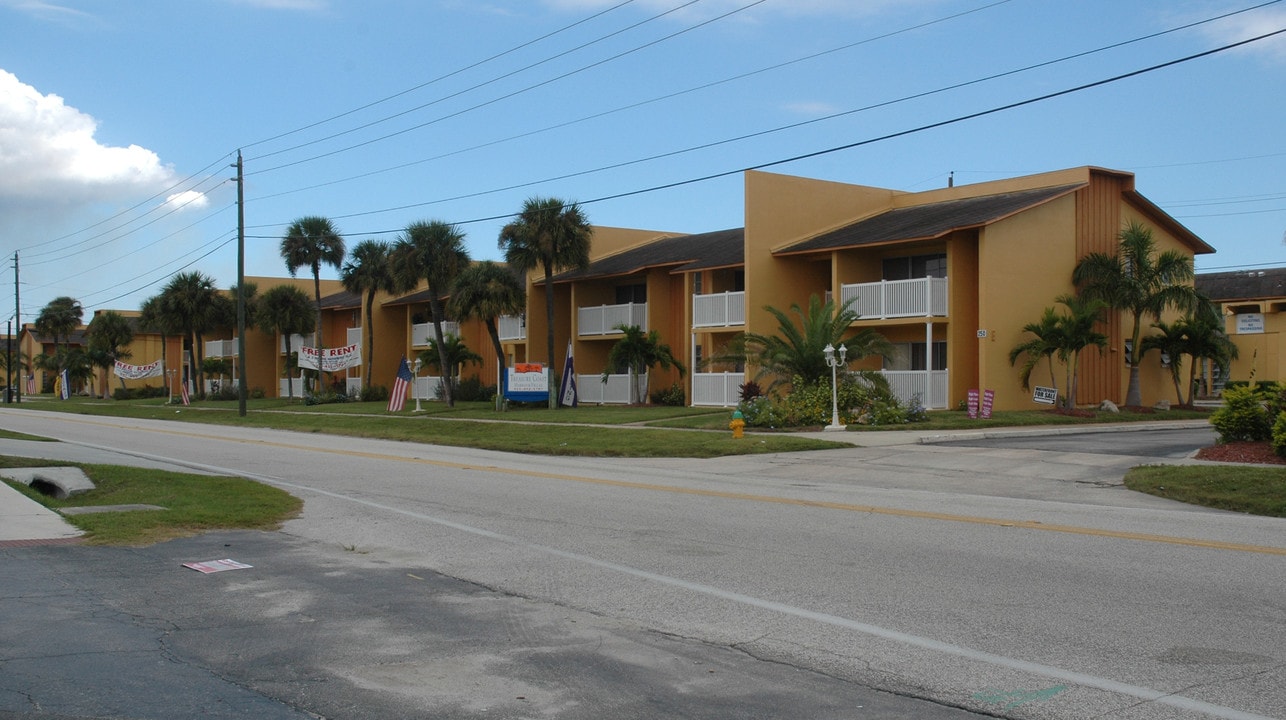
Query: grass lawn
pixel 193 503
pixel 1254 490
pixel 477 425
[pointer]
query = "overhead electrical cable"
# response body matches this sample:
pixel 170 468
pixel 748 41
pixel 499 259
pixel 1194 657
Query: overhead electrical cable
pixel 782 128
pixel 439 78
pixel 515 93
pixel 194 261
pixel 483 84
pixel 849 146
pixel 643 103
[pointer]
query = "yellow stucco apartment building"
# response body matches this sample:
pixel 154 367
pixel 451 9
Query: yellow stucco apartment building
pixel 949 275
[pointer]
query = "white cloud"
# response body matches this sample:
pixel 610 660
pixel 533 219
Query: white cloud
pixel 39 8
pixel 187 200
pixel 1253 24
pixel 48 154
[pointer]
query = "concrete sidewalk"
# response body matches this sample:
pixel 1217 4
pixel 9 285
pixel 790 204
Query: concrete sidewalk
pixel 25 521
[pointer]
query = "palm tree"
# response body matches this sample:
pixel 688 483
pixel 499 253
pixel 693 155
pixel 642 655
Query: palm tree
pixel 312 242
pixel 109 334
pixel 1141 281
pixel 554 235
pixel 797 349
pixel 1207 341
pixel 487 291
pixel 369 271
pixel 434 251
pixel 1075 332
pixel 285 310
pixel 455 353
pixel 191 303
pixel 152 318
pixel 57 320
pixel 1042 346
pixel 1171 340
pixel 639 351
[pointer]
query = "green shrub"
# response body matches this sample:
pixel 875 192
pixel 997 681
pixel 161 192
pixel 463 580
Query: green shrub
pixel 673 396
pixel 471 389
pixel 762 412
pixel 1279 435
pixel 1242 417
pixel 257 393
pixel 374 393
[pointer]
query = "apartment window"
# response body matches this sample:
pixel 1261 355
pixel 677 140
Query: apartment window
pixel 631 294
pixel 915 266
pixel 910 356
pixel 696 283
pixel 739 281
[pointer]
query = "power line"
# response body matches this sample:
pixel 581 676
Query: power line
pixel 440 78
pixel 515 93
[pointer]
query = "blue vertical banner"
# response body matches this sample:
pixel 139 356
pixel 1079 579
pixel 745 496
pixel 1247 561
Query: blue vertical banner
pixel 64 392
pixel 567 393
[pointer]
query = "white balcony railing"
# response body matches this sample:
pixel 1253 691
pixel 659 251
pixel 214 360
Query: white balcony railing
pixel 353 336
pixel 511 327
pixel 296 386
pixel 930 387
pixel 717 389
pixel 422 333
pixel 296 342
pixel 719 309
pixel 426 386
pixel 220 348
pixel 920 297
pixel 602 320
pixel 618 390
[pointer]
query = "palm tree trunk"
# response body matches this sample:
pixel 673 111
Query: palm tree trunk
pixel 435 306
pixel 290 381
pixel 500 358
pixel 317 333
pixel 549 332
pixel 1134 394
pixel 369 332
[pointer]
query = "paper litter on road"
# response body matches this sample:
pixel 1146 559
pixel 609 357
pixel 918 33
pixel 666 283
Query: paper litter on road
pixel 213 566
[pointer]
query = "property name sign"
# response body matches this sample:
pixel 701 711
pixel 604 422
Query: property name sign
pixel 1250 323
pixel 527 382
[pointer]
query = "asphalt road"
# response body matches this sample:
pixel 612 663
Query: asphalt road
pixel 1153 443
pixel 436 582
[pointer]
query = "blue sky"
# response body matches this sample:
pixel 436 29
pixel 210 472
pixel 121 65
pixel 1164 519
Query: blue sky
pixel 118 121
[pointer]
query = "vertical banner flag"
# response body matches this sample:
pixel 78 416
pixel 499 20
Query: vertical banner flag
pixel 183 390
pixel 63 390
pixel 567 393
pixel 31 384
pixel 397 398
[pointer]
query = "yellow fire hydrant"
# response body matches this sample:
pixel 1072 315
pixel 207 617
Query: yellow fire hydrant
pixel 738 425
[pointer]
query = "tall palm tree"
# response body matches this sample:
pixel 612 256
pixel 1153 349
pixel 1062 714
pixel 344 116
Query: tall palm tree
pixel 1042 346
pixel 109 334
pixel 1074 333
pixel 1140 281
pixel 434 251
pixel 487 291
pixel 1171 340
pixel 191 303
pixel 1207 341
pixel 312 242
pixel 639 351
pixel 285 310
pixel 554 235
pixel 797 350
pixel 57 320
pixel 369 271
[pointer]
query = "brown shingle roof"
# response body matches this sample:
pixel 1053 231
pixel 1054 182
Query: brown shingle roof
pixel 923 222
pixel 721 248
pixel 1243 284
pixel 342 300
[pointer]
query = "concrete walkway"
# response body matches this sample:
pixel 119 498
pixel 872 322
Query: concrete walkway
pixel 24 521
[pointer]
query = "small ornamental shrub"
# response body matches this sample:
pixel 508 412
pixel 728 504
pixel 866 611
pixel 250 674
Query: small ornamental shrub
pixel 374 393
pixel 1279 435
pixel 750 390
pixel 762 412
pixel 673 396
pixel 471 389
pixel 1242 417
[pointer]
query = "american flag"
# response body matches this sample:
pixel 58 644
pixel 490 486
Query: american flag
pixel 397 398
pixel 183 390
pixel 31 384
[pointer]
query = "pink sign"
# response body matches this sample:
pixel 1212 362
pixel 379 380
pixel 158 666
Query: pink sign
pixel 973 404
pixel 988 399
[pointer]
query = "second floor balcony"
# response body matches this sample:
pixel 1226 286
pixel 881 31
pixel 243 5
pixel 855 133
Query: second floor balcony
pixel 511 327
pixel 719 309
pixel 918 297
pixel 422 333
pixel 220 348
pixel 603 319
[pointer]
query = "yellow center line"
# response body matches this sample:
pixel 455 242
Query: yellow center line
pixel 749 497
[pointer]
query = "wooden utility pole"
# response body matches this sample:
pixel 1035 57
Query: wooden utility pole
pixel 241 287
pixel 17 316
